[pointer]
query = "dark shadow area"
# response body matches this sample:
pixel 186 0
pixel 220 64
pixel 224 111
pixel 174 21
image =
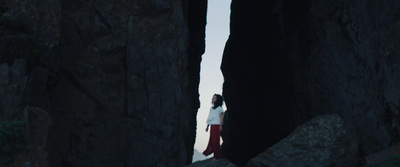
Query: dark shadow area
pixel 115 83
pixel 287 61
pixel 258 75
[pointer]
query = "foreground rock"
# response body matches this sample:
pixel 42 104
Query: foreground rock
pixel 209 163
pixel 35 131
pixel 383 156
pixel 303 58
pixel 323 141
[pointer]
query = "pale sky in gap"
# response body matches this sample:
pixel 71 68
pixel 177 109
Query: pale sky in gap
pixel 211 79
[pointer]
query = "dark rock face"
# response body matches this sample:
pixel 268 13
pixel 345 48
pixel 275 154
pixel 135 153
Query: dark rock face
pixel 37 123
pixel 258 87
pixel 288 61
pixel 352 69
pixel 323 141
pixel 118 78
pixel 13 81
pixel 383 156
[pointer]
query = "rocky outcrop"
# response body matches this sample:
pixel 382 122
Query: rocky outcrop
pixel 13 81
pixel 118 78
pixel 258 77
pixel 352 70
pixel 286 62
pixel 37 123
pixel 323 141
pixel 210 163
pixel 383 155
pixel 23 142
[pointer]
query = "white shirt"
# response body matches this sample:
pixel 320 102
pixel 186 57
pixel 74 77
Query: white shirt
pixel 213 116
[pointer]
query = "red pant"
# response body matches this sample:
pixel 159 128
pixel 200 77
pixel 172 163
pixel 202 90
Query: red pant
pixel 213 143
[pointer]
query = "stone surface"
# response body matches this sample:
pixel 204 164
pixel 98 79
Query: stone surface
pixel 383 155
pixel 35 132
pixel 118 78
pixel 210 163
pixel 37 123
pixel 286 62
pixel 13 81
pixel 323 141
pixel 258 80
pixel 352 70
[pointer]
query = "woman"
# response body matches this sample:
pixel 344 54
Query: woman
pixel 215 119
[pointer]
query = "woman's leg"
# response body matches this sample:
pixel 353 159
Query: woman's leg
pixel 209 149
pixel 215 137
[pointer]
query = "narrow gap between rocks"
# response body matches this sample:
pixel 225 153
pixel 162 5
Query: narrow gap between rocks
pixel 211 79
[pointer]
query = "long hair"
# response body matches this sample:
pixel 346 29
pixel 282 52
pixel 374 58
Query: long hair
pixel 219 101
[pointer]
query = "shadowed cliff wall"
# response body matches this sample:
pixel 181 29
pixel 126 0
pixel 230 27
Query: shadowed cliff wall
pixel 288 61
pixel 119 79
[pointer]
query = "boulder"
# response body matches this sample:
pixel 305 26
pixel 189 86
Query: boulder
pixel 383 156
pixel 287 61
pixel 323 141
pixel 34 128
pixel 13 81
pixel 119 79
pixel 210 163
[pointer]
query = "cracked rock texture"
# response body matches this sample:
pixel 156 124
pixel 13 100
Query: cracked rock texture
pixel 323 141
pixel 287 61
pixel 118 78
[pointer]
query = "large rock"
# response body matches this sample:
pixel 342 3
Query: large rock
pixel 287 61
pixel 118 78
pixel 34 125
pixel 353 69
pixel 210 163
pixel 13 80
pixel 383 155
pixel 322 142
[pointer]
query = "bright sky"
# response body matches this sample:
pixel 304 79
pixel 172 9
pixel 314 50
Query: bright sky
pixel 211 79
